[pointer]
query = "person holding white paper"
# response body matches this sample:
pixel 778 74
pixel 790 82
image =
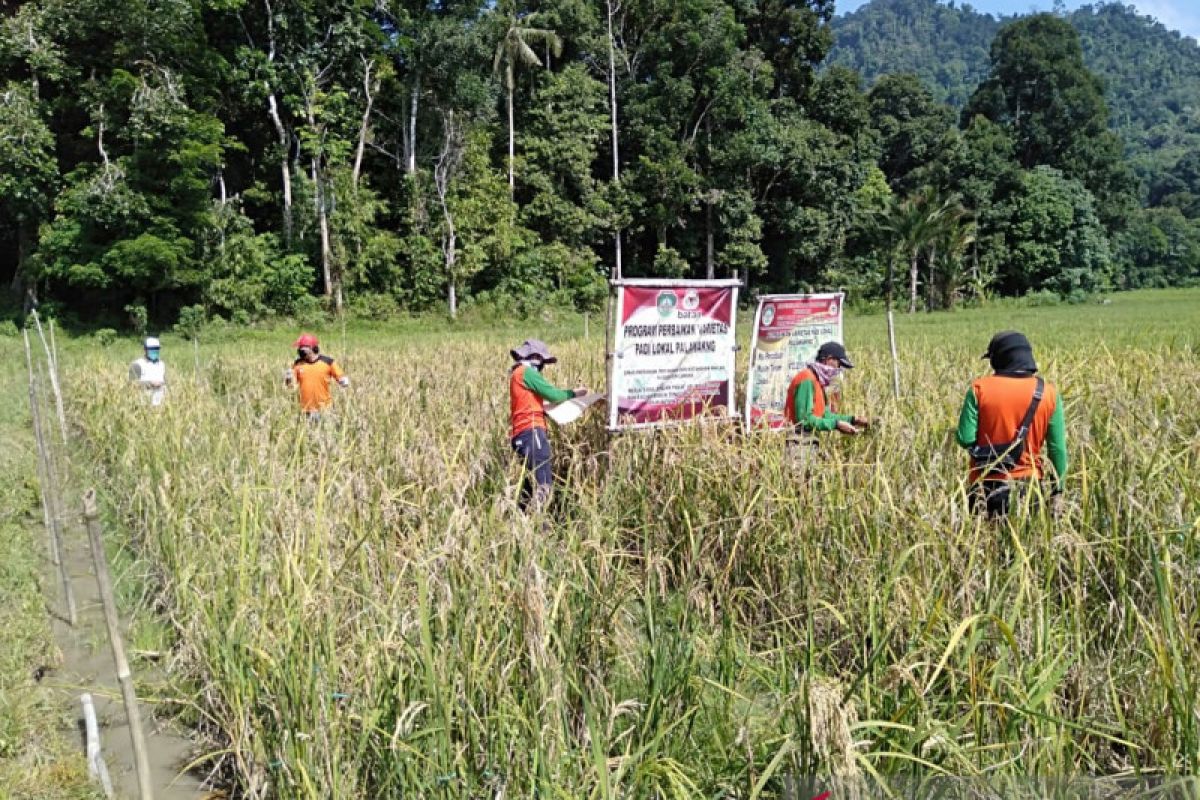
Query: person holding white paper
pixel 528 393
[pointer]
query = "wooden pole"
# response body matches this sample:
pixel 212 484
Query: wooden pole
pixel 51 507
pixel 54 386
pixel 95 759
pixel 140 756
pixel 891 326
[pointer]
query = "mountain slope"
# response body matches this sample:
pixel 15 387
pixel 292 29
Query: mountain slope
pixel 1151 74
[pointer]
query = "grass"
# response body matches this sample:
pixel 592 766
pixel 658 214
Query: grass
pixel 362 612
pixel 37 758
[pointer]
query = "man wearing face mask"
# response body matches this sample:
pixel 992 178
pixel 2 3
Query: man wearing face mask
pixel 1006 419
pixel 528 392
pixel 149 372
pixel 312 373
pixel 807 406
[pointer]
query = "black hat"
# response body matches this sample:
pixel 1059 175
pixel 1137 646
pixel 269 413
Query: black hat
pixel 835 350
pixel 1011 351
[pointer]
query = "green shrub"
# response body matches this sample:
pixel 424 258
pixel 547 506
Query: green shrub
pixel 191 320
pixel 105 337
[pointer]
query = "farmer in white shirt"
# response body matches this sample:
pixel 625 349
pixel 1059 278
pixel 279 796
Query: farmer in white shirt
pixel 150 373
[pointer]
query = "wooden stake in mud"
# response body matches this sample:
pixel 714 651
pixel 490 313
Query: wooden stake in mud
pixel 141 758
pixel 51 502
pixel 54 385
pixel 95 759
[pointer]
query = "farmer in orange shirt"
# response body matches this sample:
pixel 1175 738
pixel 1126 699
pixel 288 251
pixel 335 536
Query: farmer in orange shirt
pixel 312 373
pixel 1006 419
pixel 807 407
pixel 528 392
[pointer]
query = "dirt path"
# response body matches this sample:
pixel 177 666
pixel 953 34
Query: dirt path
pixel 88 667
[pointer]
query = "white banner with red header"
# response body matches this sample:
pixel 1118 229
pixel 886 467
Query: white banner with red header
pixel 788 329
pixel 673 352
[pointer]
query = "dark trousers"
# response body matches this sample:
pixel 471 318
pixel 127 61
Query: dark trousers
pixel 998 498
pixel 533 446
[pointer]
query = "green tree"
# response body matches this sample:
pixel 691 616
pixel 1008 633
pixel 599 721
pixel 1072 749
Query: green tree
pixel 910 124
pixel 28 169
pixel 1053 107
pixel 1056 240
pixel 514 49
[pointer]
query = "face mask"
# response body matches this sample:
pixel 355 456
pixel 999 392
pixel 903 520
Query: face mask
pixel 152 356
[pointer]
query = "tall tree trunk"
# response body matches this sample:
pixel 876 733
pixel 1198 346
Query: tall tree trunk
pixel 23 241
pixel 443 174
pixel 612 107
pixel 410 135
pixel 323 224
pixel 511 133
pixel 281 131
pixel 891 325
pixel 285 166
pixel 913 274
pixel 710 266
pixel 364 125
pixel 929 283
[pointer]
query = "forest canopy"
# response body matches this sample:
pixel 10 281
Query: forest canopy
pixel 256 158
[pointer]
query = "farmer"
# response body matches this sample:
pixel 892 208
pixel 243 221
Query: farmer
pixel 313 373
pixel 807 407
pixel 1006 419
pixel 528 391
pixel 149 372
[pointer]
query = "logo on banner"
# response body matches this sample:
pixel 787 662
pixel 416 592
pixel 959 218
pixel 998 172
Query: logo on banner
pixel 691 300
pixel 666 304
pixel 768 315
pixel 833 308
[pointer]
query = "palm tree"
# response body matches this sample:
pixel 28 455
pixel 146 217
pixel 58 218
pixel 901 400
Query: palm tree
pixel 949 221
pixel 904 228
pixel 953 240
pixel 514 49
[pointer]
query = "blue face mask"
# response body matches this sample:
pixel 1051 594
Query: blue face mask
pixel 152 356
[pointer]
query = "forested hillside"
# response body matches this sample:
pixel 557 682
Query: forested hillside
pixel 253 158
pixel 1151 75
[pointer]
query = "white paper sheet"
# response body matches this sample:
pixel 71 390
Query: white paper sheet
pixel 568 411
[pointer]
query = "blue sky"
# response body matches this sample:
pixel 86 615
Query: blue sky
pixel 1179 15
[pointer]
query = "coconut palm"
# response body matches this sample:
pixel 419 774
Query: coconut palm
pixel 515 49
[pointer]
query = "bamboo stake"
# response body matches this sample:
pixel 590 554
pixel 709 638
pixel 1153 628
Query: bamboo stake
pixel 95 759
pixel 51 507
pixel 891 327
pixel 124 676
pixel 53 344
pixel 54 385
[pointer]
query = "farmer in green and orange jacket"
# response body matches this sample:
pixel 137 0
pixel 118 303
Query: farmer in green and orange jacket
pixel 528 392
pixel 807 407
pixel 1006 461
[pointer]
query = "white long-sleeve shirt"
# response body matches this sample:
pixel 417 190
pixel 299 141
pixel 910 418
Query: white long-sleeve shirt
pixel 151 376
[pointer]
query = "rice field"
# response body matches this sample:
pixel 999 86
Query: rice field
pixel 360 610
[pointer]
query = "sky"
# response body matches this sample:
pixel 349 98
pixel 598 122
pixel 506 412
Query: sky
pixel 1179 15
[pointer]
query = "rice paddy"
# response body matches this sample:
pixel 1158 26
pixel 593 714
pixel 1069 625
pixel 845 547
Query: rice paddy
pixel 359 609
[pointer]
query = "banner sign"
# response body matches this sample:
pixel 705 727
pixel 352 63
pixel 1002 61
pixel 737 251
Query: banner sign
pixel 673 353
pixel 788 329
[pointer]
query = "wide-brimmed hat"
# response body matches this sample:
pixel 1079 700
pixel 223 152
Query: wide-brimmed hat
pixel 531 348
pixel 835 350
